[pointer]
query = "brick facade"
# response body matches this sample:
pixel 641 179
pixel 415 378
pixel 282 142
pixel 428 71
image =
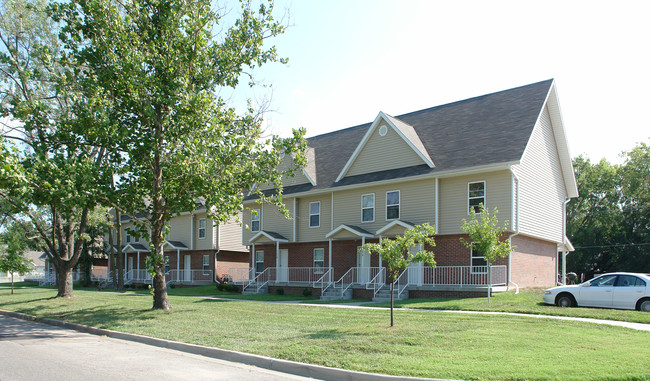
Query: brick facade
pixel 533 262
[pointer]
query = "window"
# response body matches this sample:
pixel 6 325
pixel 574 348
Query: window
pixel 392 205
pixel 136 239
pixel 475 195
pixel 368 207
pixel 255 220
pixel 479 264
pixel 314 214
pixel 603 281
pixel 629 281
pixel 206 264
pixel 128 238
pixel 202 228
pixel 259 261
pixel 166 264
pixel 319 260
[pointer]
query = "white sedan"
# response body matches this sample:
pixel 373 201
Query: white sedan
pixel 628 291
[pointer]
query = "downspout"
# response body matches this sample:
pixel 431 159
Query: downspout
pixel 514 214
pixel 437 197
pixel 565 252
pixel 192 231
pixel 217 252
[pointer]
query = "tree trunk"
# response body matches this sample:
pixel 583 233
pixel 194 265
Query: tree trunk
pixel 119 263
pixel 12 283
pixel 392 287
pixel 160 300
pixel 64 280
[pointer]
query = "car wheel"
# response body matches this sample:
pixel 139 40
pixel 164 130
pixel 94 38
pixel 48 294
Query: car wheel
pixel 565 300
pixel 645 305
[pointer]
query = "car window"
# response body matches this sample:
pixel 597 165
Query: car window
pixel 629 281
pixel 603 281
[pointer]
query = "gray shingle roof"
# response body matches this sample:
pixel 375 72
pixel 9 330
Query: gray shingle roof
pixel 489 129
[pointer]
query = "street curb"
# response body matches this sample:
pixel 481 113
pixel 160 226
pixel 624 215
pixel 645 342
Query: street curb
pixel 284 366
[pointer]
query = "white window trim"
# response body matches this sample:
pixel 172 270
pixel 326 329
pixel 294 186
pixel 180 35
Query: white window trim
pixel 256 261
pixel 310 214
pixel 373 207
pixel 471 260
pixel 128 238
pixel 205 228
pixel 399 205
pixel 206 272
pixel 258 219
pixel 316 271
pixel 484 197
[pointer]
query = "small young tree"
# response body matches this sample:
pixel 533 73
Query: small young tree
pixel 396 253
pixel 13 261
pixel 485 237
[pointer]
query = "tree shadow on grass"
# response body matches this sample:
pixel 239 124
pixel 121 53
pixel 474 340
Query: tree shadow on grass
pixel 330 334
pixel 211 300
pixel 100 316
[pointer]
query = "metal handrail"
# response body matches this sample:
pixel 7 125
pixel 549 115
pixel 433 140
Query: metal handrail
pixel 396 283
pixel 377 284
pixel 253 280
pixel 321 280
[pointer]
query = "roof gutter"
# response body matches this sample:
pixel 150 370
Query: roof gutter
pixel 514 186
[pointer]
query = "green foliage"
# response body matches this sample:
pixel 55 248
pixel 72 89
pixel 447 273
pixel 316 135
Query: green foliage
pixel 279 291
pixel 485 234
pixel 13 261
pixel 307 292
pixel 397 253
pixel 609 223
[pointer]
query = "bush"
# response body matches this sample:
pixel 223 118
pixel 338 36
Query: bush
pixel 307 292
pixel 232 288
pixel 172 285
pixel 221 287
pixel 279 291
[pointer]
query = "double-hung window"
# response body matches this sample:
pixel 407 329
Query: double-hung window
pixel 368 207
pixel 259 261
pixel 392 205
pixel 479 264
pixel 314 214
pixel 128 238
pixel 475 195
pixel 166 264
pixel 202 228
pixel 255 220
pixel 206 264
pixel 319 260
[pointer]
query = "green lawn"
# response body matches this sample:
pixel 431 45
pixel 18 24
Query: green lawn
pixel 423 343
pixel 528 301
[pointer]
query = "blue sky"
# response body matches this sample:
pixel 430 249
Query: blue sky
pixel 348 60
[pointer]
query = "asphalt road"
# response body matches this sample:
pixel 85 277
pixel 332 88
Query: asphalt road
pixel 35 351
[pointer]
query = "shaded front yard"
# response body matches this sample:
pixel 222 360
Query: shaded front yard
pixel 423 343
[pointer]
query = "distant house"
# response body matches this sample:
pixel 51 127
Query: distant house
pixel 371 182
pixel 197 249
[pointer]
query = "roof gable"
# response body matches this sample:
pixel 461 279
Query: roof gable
pixel 389 143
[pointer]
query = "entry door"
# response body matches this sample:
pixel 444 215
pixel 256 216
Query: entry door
pixel 416 269
pixel 188 268
pixel 283 270
pixel 129 270
pixel 363 266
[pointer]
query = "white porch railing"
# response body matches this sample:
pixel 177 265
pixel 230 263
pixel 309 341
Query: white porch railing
pixel 325 281
pixel 377 282
pixel 451 276
pixel 240 275
pixel 188 276
pixel 315 276
pixel 369 276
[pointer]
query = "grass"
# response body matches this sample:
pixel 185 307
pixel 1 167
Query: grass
pixel 423 343
pixel 528 301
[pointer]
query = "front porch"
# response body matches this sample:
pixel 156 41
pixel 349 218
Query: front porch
pixel 369 282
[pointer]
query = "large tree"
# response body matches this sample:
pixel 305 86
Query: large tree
pixel 160 66
pixel 49 162
pixel 609 224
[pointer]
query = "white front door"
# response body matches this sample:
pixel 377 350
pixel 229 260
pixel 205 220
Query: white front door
pixel 283 270
pixel 363 266
pixel 129 270
pixel 188 268
pixel 416 269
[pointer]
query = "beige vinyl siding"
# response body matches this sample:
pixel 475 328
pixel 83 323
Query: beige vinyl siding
pixel 179 230
pixel 230 235
pixel 274 221
pixel 453 202
pixel 143 240
pixel 247 234
pixel 384 152
pixel 541 185
pixel 417 204
pixel 203 243
pixel 304 232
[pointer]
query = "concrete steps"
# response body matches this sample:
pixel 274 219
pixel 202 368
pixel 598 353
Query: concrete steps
pixel 335 294
pixel 384 295
pixel 252 290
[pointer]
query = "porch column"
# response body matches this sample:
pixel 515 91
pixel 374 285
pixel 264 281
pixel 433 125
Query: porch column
pixel 380 265
pixel 139 265
pixel 253 257
pixel 124 265
pixel 564 253
pixel 178 265
pixel 277 255
pixel 330 260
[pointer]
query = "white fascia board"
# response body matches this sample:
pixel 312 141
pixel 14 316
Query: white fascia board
pixel 174 247
pixel 423 155
pixel 394 223
pixel 360 146
pixel 345 227
pixel 264 234
pixel 313 183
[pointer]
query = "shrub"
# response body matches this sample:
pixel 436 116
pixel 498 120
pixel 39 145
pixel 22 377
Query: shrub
pixel 307 292
pixel 221 287
pixel 172 285
pixel 279 291
pixel 232 288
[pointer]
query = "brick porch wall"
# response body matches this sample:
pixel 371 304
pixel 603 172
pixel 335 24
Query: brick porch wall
pixel 533 262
